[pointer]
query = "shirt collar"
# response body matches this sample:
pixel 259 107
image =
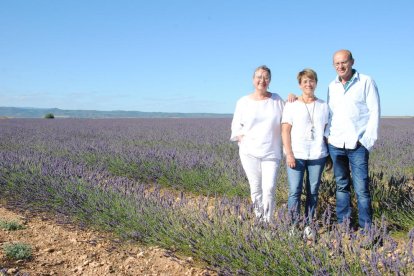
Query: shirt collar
pixel 355 76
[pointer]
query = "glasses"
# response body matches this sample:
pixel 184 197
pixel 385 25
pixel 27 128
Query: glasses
pixel 339 64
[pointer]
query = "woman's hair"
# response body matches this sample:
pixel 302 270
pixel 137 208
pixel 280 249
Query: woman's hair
pixel 307 73
pixel 265 68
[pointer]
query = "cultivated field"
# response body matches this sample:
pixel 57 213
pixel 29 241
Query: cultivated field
pixel 178 184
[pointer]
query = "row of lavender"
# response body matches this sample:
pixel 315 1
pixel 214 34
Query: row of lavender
pixel 64 164
pixel 188 154
pixel 393 152
pixel 194 153
pixel 191 154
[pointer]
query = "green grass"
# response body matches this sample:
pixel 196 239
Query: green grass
pixel 11 225
pixel 17 251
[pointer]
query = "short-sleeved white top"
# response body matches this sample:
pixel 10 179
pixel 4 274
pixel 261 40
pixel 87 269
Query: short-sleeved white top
pixel 298 115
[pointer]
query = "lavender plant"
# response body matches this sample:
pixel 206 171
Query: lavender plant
pixel 103 173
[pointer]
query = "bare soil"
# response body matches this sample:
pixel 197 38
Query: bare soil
pixel 67 249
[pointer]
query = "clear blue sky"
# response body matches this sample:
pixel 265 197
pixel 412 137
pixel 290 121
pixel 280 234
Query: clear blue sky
pixel 195 56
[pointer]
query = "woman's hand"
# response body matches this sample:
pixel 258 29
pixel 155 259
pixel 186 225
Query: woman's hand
pixel 240 138
pixel 291 98
pixel 290 160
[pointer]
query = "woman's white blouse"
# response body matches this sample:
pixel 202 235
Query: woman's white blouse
pixel 259 122
pixel 299 117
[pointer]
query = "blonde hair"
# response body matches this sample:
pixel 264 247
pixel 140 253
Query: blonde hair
pixel 307 73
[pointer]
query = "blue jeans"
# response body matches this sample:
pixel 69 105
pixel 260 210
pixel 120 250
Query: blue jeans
pixel 355 162
pixel 313 169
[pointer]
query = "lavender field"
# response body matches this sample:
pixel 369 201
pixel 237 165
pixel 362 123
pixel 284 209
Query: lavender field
pixel 178 183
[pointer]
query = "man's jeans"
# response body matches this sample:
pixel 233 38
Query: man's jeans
pixel 345 162
pixel 313 169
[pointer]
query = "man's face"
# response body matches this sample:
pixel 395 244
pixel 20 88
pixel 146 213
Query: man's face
pixel 343 65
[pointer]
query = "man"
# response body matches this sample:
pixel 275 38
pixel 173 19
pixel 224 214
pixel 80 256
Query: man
pixel 352 130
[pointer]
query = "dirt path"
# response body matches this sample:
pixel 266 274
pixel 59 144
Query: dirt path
pixel 69 250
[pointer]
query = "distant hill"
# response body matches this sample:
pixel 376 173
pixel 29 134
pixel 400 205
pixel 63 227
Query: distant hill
pixel 28 112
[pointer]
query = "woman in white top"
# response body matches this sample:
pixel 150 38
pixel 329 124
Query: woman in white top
pixel 303 126
pixel 256 127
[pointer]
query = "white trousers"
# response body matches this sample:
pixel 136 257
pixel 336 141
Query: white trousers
pixel 262 175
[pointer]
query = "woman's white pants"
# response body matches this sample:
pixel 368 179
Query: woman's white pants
pixel 262 175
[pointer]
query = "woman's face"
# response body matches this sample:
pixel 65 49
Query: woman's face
pixel 307 85
pixel 261 79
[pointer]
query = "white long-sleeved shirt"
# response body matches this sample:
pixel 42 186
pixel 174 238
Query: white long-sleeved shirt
pixel 354 112
pixel 300 116
pixel 259 123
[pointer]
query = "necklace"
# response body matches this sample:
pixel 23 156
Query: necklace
pixel 311 132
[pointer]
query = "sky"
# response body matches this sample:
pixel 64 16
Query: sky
pixel 195 56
